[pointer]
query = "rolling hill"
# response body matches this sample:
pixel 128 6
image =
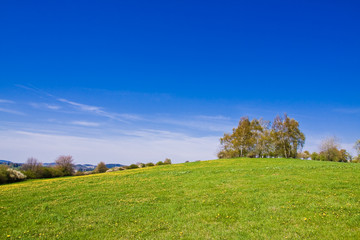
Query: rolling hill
pixel 218 199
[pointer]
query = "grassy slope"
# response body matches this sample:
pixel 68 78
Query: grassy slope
pixel 223 199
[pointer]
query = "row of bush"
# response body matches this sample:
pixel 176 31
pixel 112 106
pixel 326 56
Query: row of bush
pixel 33 169
pixel 101 167
pixel 330 151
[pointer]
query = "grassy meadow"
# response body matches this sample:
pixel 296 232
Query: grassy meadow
pixel 219 199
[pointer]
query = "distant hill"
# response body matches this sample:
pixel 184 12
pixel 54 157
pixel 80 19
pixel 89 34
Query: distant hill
pixel 111 165
pixel 5 162
pixel 10 163
pixel 84 167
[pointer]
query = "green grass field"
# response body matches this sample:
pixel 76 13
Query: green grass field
pixel 220 199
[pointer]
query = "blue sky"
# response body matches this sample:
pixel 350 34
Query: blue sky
pixel 129 81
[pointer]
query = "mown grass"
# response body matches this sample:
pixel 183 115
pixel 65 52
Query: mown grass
pixel 222 199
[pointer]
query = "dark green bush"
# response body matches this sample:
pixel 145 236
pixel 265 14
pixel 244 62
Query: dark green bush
pixel 167 161
pixel 133 166
pixel 3 174
pixel 101 168
pixel 8 175
pixel 150 164
pixel 159 163
pixel 79 173
pixel 30 174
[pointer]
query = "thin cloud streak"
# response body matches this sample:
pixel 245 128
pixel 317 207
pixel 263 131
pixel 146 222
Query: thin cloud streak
pixel 83 107
pixel 86 123
pixel 12 111
pixel 52 107
pixel 6 101
pixel 45 106
pixel 100 112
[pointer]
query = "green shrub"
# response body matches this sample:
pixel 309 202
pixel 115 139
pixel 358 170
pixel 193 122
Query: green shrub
pixel 150 164
pixel 356 159
pixel 167 161
pixel 15 176
pixel 101 168
pixel 56 172
pixel 315 156
pixel 8 175
pixel 159 163
pixel 133 166
pixel 79 173
pixel 30 174
pixel 49 172
pixel 3 174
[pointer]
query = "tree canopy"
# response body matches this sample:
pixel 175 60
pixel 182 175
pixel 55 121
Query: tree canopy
pixel 256 138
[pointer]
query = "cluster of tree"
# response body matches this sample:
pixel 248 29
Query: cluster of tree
pixel 260 138
pixel 330 151
pixel 63 167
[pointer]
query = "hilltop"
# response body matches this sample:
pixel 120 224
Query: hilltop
pixel 219 199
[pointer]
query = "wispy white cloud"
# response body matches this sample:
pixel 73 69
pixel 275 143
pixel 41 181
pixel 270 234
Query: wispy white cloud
pixel 81 106
pixel 45 106
pixel 6 101
pixel 100 112
pixel 86 123
pixel 52 107
pixel 11 111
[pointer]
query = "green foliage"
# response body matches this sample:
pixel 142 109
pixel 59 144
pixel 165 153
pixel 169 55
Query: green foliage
pixel 167 161
pixel 30 174
pixel 330 152
pixel 32 168
pixel 9 175
pixel 56 172
pixel 287 137
pixel 133 166
pixel 159 163
pixel 150 164
pixel 65 165
pixel 3 174
pixel 101 168
pixel 250 198
pixel 306 155
pixel 79 173
pixel 315 156
pixel 256 139
pixel 44 172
